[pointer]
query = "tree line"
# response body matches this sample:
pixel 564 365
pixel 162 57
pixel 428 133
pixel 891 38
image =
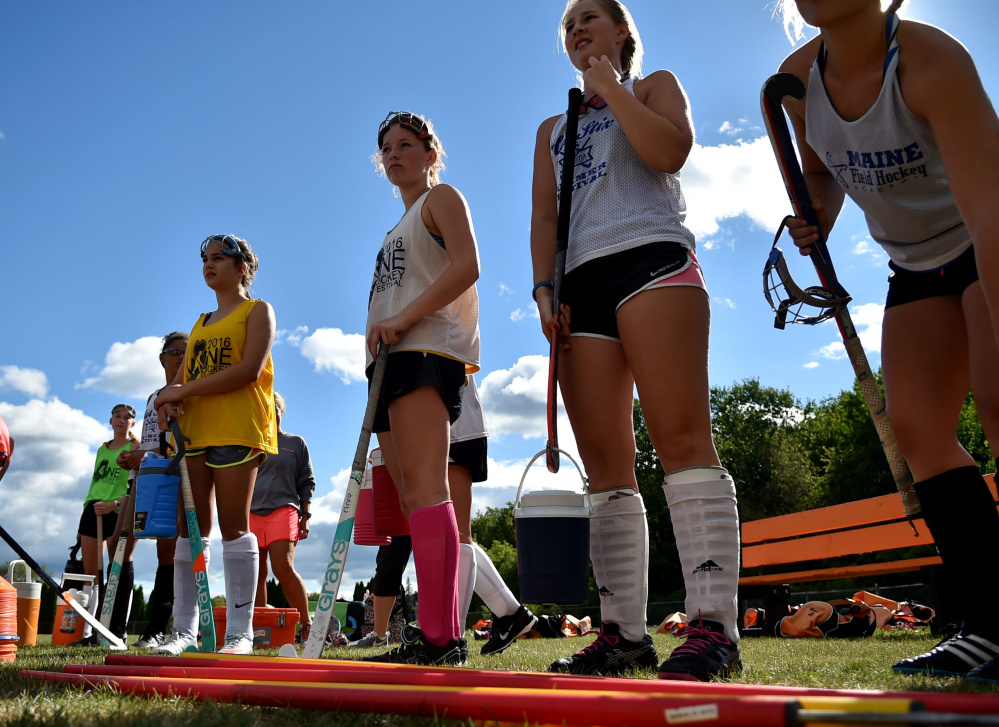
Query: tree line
pixel 785 455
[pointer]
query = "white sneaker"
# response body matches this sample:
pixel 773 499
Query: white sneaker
pixel 369 641
pixel 176 645
pixel 237 644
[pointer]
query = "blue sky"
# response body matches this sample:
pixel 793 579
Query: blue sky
pixel 129 132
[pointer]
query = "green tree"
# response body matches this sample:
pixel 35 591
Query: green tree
pixel 494 525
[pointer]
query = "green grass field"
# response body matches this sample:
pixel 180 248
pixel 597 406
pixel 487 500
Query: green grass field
pixel 846 664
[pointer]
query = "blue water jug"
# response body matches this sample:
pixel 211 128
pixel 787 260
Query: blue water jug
pixel 157 490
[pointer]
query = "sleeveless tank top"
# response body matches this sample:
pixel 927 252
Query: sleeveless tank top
pixel 243 417
pixel 618 201
pixel 408 262
pixel 888 162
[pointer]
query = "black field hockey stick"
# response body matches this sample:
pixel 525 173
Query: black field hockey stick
pixel 206 617
pixel 561 247
pixel 114 573
pixel 832 293
pixel 345 525
pixel 64 595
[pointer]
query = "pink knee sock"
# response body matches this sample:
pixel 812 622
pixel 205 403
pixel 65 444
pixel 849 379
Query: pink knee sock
pixel 435 552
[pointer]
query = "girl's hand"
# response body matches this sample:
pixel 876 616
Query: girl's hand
pixel 303 526
pixel 169 404
pixel 803 234
pixel 548 323
pixel 103 508
pixel 388 332
pixel 601 76
pixel 130 460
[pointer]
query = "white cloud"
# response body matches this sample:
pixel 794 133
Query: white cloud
pixel 49 475
pixel 330 349
pixel 505 290
pixel 514 400
pixel 731 129
pixel 521 314
pixel 726 181
pixel 291 337
pixel 811 365
pixel 130 369
pixel 29 381
pixel 864 245
pixel 724 302
pixel 867 320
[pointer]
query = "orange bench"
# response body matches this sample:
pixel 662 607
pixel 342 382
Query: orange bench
pixel 787 549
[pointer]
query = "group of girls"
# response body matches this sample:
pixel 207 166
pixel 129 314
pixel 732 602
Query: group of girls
pixel 636 315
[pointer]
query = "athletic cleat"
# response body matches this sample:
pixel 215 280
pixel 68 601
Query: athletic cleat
pixel 237 644
pixel 417 650
pixel 705 655
pixel 609 654
pixel 176 645
pixel 370 641
pixel 150 641
pixel 507 629
pixel 92 640
pixel 987 673
pixel 957 656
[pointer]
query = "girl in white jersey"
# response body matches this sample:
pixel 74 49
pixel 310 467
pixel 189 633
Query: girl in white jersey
pixel 896 117
pixel 423 303
pixel 638 311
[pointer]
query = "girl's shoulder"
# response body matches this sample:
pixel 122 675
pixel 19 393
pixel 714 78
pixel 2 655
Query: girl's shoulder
pixel 800 60
pixel 548 126
pixel 657 80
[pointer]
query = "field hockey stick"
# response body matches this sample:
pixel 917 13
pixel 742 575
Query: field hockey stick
pixel 771 100
pixel 561 247
pixel 345 525
pixel 111 592
pixel 206 619
pixel 64 595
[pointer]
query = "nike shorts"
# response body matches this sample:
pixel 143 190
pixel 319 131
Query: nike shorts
pixel 907 286
pixel 407 371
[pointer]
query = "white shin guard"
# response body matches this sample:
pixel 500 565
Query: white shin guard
pixel 619 551
pixel 705 520
pixel 185 590
pixel 240 558
pixel 491 587
pixel 466 582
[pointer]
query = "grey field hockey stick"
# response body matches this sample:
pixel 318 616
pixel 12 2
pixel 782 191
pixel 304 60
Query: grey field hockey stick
pixel 561 248
pixel 206 619
pixel 345 525
pixel 114 575
pixel 831 295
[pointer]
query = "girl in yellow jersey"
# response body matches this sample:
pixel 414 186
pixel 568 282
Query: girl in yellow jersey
pixel 224 397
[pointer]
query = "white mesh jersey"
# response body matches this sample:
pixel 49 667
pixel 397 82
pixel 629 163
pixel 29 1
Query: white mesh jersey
pixel 618 201
pixel 472 423
pixel 889 164
pixel 409 261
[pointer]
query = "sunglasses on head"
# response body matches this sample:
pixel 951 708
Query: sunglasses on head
pixel 230 247
pixel 406 120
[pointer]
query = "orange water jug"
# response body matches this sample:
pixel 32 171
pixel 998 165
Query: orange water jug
pixel 68 626
pixel 8 622
pixel 29 599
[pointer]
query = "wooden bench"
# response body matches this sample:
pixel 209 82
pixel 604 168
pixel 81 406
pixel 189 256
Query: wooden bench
pixel 796 548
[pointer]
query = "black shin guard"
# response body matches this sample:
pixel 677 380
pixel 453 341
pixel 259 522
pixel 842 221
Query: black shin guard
pixel 161 600
pixel 961 515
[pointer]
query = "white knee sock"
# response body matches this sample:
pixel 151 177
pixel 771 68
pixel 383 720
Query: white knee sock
pixel 706 523
pixel 491 587
pixel 185 591
pixel 619 551
pixel 466 582
pixel 241 560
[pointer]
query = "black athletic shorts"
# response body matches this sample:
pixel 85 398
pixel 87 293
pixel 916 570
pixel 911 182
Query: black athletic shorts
pixel 471 454
pixel 88 523
pixel 597 288
pixel 908 286
pixel 390 562
pixel 407 371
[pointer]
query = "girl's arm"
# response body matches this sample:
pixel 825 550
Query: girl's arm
pixel 445 212
pixel 656 119
pixel 260 327
pixel 544 222
pixel 941 84
pixel 827 195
